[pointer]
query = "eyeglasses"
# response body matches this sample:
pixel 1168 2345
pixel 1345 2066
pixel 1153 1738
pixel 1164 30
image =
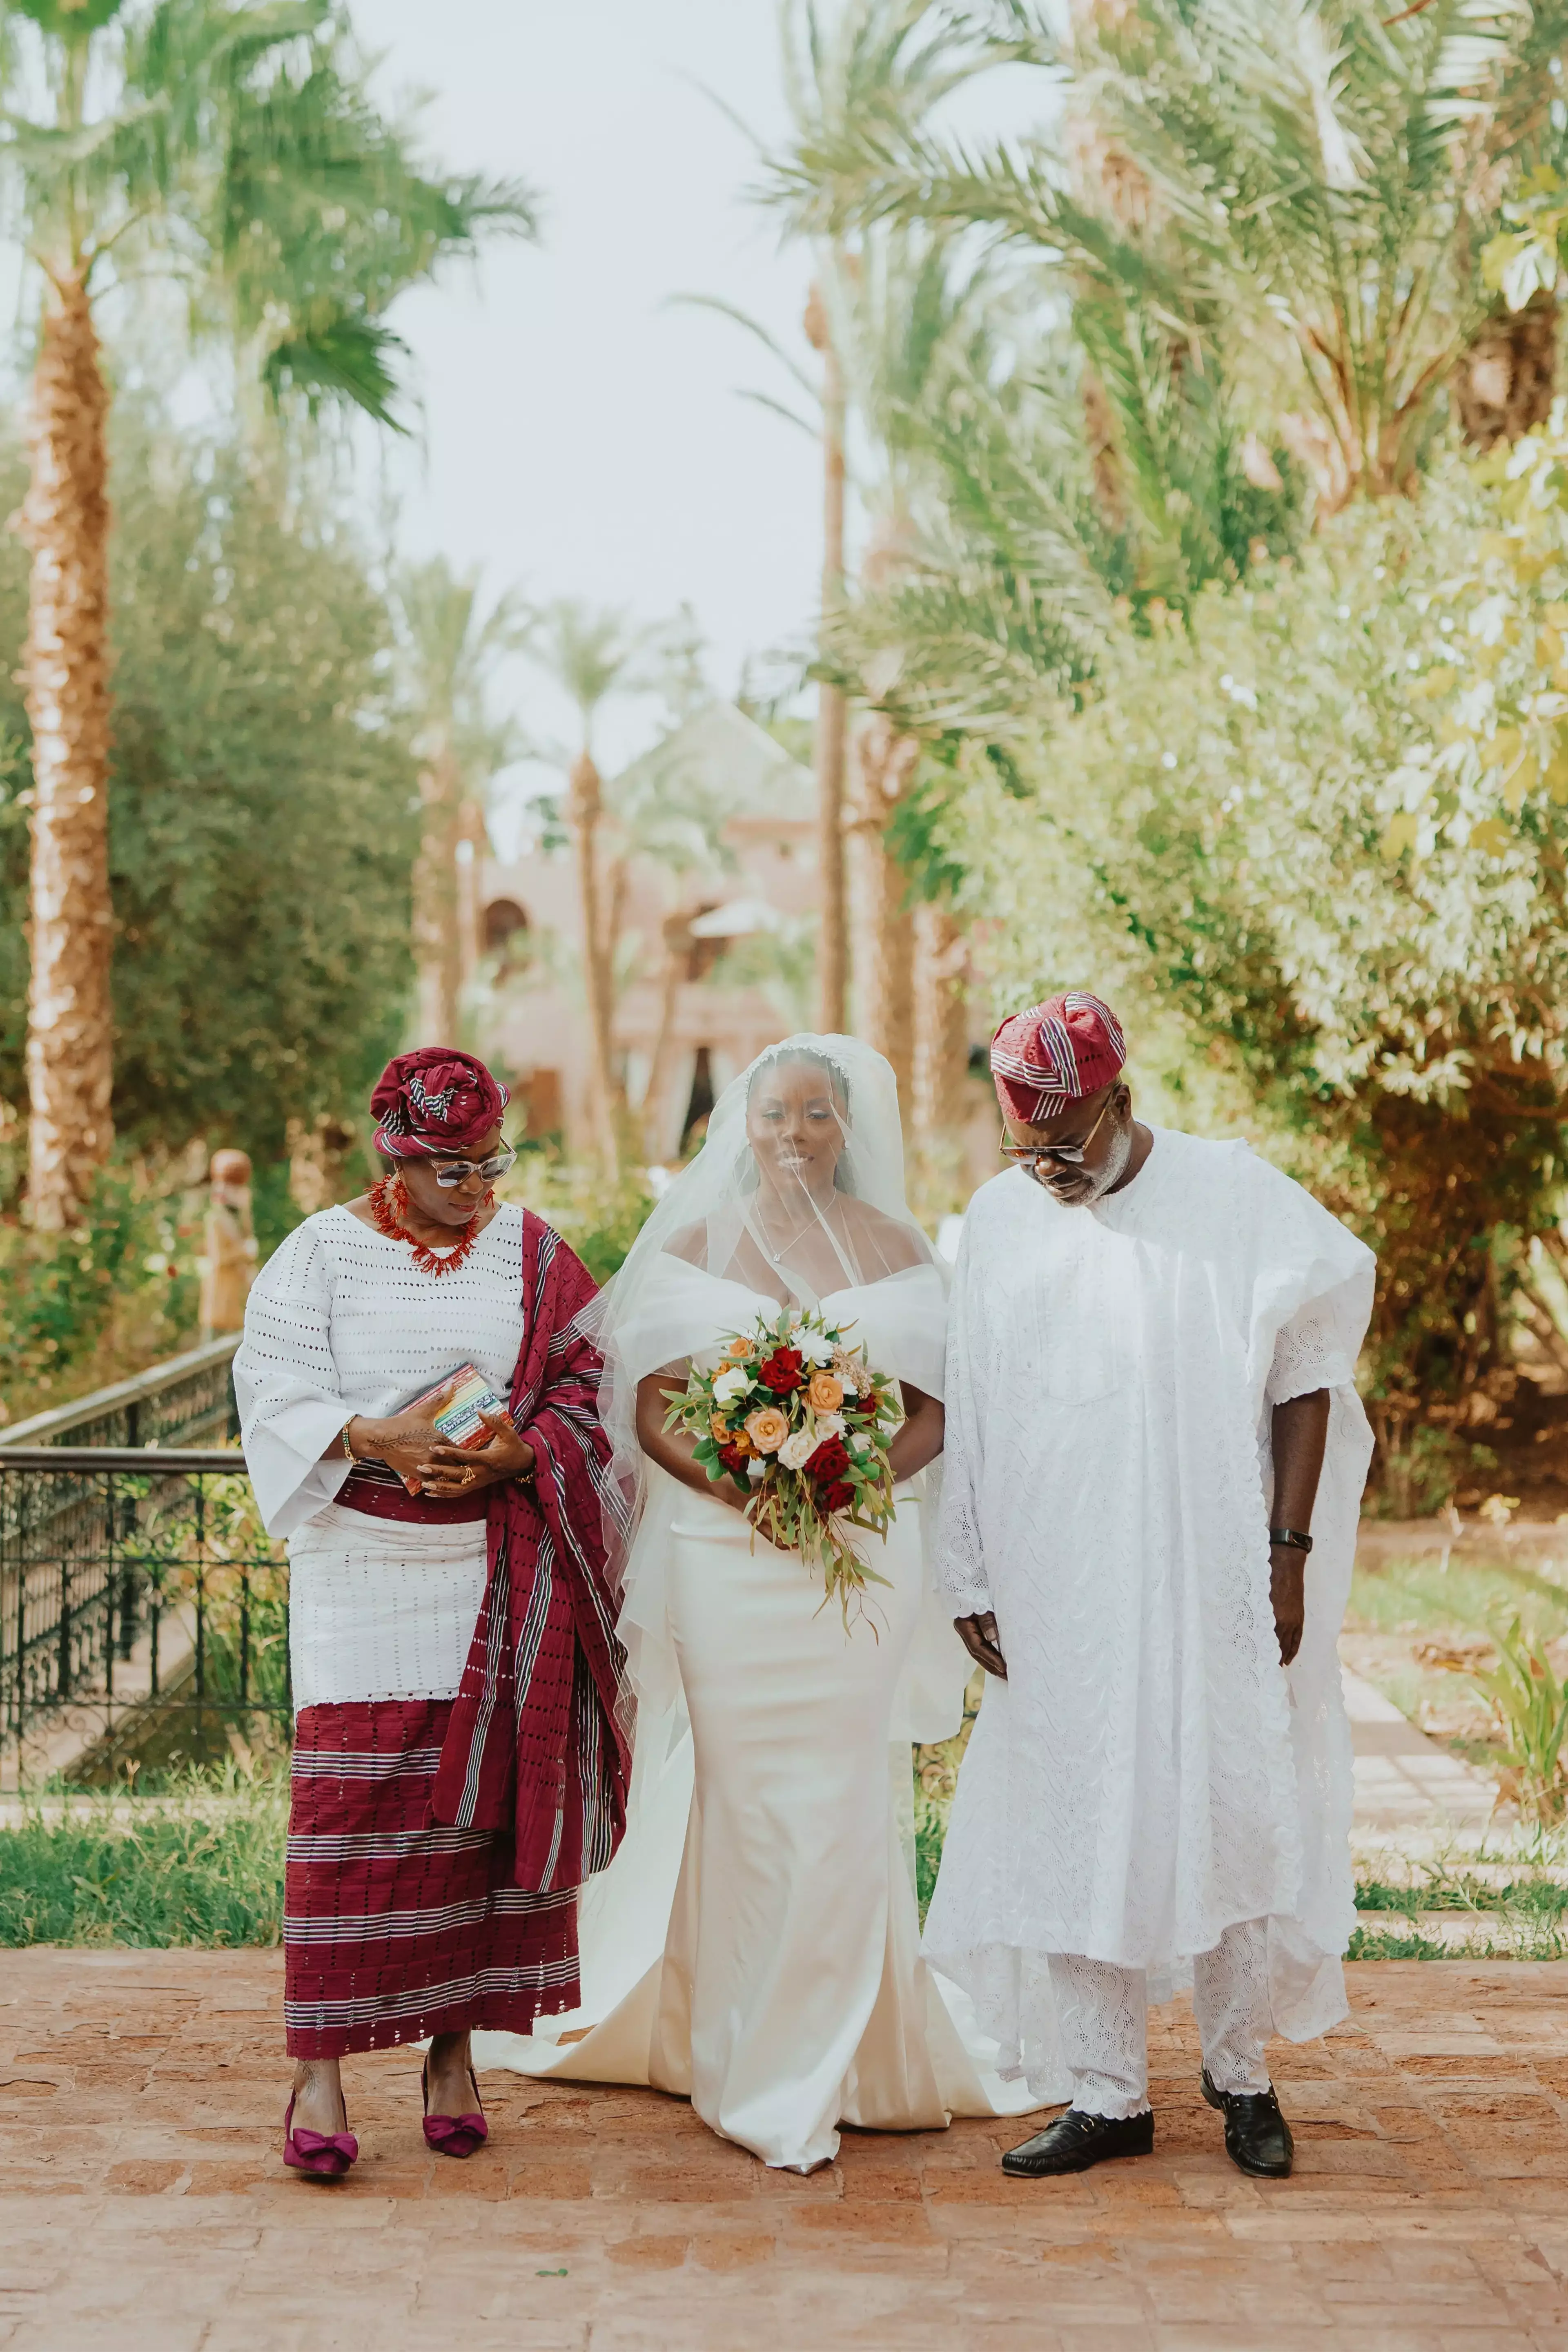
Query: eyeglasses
pixel 1067 1155
pixel 453 1172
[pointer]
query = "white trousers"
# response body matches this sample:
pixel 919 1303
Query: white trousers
pixel 1102 2012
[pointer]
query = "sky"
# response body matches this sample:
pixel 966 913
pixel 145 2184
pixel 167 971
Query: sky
pixel 582 434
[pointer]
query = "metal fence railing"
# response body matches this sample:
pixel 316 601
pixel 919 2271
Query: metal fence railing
pixel 186 1400
pixel 141 1605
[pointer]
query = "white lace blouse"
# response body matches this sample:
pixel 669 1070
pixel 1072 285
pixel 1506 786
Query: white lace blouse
pixel 339 1321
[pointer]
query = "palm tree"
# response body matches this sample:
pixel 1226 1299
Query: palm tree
pixel 449 652
pixel 230 146
pixel 1313 190
pixel 875 61
pixel 832 704
pixel 591 656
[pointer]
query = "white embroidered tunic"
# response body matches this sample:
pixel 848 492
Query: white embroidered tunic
pixel 1148 1773
pixel 341 1320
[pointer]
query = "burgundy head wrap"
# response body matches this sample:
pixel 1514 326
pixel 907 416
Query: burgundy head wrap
pixel 435 1103
pixel 1054 1055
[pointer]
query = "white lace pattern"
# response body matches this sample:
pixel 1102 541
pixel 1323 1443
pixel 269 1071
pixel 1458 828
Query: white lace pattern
pixel 1147 1776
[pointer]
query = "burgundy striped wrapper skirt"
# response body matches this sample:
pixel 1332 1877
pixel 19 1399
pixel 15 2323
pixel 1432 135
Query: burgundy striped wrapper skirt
pixel 395 1928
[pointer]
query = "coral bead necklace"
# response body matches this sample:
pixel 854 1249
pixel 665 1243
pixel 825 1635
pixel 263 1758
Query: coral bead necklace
pixel 389 1206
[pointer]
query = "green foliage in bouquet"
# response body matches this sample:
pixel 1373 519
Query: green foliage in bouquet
pixel 800 1423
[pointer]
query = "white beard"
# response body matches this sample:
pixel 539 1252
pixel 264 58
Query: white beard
pixel 1116 1158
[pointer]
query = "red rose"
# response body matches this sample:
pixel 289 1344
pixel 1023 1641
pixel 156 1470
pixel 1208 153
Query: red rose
pixel 782 1371
pixel 831 1459
pixel 836 1496
pixel 732 1457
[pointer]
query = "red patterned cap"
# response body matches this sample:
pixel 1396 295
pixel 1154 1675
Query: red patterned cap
pixel 436 1101
pixel 1054 1055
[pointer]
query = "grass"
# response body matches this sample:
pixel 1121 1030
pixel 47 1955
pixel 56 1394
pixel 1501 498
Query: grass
pixel 202 1867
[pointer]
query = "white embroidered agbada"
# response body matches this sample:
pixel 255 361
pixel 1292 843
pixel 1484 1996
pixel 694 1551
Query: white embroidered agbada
pixel 1148 1775
pixel 755 1945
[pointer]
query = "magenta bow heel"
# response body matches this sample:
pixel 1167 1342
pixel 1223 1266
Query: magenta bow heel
pixel 323 2156
pixel 454 2135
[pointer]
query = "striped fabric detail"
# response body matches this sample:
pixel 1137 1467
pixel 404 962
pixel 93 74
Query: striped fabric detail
pixel 375 1765
pixel 430 1920
pixel 1051 1068
pixel 396 1928
pixel 538 1740
pixel 404 2012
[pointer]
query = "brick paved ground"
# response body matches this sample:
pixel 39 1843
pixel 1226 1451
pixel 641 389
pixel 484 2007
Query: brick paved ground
pixel 141 2203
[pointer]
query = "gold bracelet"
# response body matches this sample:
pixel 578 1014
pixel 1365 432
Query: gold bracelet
pixel 348 1453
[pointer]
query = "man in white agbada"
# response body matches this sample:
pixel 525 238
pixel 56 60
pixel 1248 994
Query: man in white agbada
pixel 1154 1460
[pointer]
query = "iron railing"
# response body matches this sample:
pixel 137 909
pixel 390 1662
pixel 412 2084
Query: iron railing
pixel 142 1609
pixel 186 1400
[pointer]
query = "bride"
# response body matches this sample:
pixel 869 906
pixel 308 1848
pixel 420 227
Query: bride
pixel 754 1946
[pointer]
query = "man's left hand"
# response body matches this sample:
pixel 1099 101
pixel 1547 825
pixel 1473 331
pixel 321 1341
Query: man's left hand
pixel 1288 1591
pixel 453 1470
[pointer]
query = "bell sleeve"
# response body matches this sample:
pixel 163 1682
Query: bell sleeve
pixel 959 1552
pixel 286 1385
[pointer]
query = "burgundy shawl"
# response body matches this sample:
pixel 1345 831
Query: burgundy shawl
pixel 538 1743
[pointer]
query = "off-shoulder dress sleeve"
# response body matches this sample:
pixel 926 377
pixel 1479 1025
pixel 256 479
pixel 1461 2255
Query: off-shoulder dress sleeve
pixel 287 1385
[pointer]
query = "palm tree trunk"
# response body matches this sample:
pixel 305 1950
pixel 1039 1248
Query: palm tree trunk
pixel 467 945
pixel 832 707
pixel 941 1027
pixel 586 810
pixel 65 523
pixel 677 963
pixel 435 938
pixel 886 762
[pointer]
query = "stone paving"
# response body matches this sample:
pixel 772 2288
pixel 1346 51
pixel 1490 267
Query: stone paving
pixel 142 2203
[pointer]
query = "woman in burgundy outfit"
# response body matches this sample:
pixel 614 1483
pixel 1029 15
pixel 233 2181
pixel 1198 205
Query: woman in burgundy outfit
pixel 459 1762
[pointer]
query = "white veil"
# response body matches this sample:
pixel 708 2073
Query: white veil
pixel 717 1248
pixel 720 1247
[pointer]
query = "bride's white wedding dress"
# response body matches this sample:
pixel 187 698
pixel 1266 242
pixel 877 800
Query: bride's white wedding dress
pixel 755 1946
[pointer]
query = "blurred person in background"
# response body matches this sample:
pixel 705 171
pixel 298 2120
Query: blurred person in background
pixel 228 1246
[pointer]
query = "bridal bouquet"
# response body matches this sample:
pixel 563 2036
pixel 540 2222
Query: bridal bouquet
pixel 800 1422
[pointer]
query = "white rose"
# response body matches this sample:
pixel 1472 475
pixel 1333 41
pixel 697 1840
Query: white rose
pixel 830 1424
pixel 730 1385
pixel 798 1449
pixel 814 1348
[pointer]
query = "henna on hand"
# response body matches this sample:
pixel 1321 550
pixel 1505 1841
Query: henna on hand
pixel 978 1635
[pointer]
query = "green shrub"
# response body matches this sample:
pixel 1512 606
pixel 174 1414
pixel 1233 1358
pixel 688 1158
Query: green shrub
pixel 600 1219
pixel 1324 824
pixel 95 1305
pixel 205 1868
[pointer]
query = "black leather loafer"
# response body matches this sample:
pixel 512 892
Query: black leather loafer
pixel 1257 2135
pixel 1076 2141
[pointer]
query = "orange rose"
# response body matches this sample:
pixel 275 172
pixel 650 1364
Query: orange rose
pixel 767 1428
pixel 719 1429
pixel 740 1351
pixel 825 1394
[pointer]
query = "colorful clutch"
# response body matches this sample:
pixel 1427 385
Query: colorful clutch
pixel 468 1394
